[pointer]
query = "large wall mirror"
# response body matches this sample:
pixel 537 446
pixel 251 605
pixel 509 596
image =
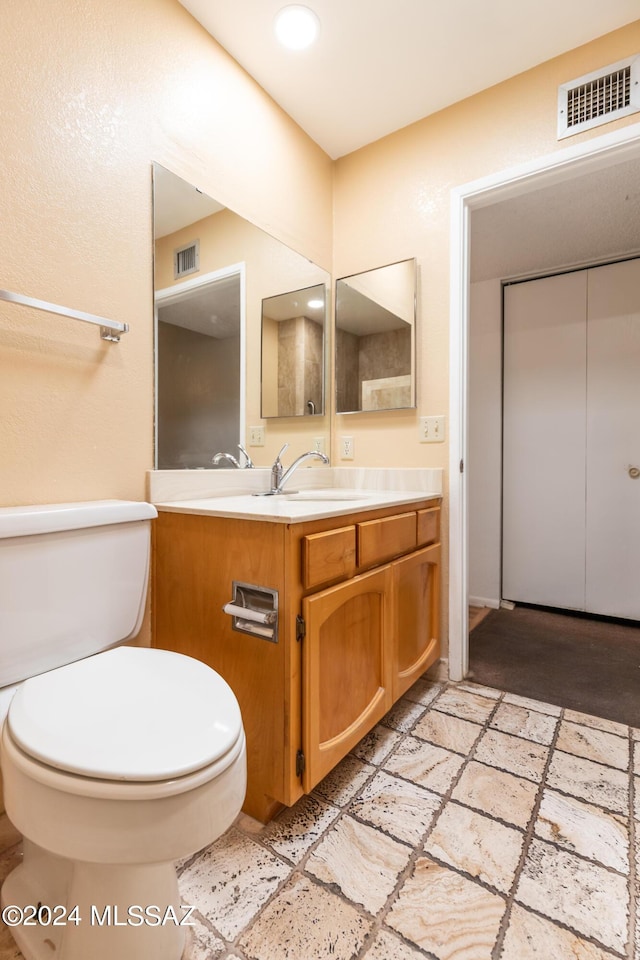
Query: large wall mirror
pixel 375 352
pixel 213 271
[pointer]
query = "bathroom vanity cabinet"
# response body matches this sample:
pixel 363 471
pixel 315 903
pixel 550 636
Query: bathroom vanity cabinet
pixel 358 624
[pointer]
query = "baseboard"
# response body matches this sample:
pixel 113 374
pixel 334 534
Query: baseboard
pixel 484 602
pixel 439 670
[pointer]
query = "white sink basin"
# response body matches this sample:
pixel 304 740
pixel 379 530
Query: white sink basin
pixel 328 494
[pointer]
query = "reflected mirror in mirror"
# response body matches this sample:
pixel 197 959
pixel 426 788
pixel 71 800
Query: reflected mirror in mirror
pixel 212 271
pixel 199 372
pixel 375 339
pixel 293 351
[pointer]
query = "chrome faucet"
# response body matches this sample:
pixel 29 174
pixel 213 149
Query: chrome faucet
pixel 248 462
pixel 279 475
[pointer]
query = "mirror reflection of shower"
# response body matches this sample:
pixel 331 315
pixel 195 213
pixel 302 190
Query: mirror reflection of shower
pixel 293 349
pixel 376 338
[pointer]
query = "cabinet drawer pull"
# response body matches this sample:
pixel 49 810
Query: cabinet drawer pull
pixel 634 472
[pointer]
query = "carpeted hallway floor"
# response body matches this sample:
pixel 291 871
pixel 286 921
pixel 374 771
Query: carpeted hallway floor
pixel 572 661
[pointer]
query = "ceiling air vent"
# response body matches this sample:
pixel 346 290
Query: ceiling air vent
pixel 186 259
pixel 607 94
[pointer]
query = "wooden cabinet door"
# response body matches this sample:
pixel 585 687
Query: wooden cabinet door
pixel 416 636
pixel 346 668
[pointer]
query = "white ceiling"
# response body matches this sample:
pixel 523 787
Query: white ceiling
pixel 380 65
pixel 213 310
pixel 177 203
pixel 587 219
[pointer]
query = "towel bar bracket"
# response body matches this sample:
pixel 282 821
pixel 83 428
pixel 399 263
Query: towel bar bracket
pixel 106 333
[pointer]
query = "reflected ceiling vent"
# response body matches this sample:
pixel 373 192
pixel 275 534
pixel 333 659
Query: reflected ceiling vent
pixel 607 94
pixel 186 260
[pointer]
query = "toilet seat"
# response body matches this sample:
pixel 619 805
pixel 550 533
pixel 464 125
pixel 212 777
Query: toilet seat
pixel 130 714
pixel 61 781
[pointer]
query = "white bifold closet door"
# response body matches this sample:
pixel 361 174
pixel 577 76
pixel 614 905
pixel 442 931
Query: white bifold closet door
pixel 613 441
pixel 571 422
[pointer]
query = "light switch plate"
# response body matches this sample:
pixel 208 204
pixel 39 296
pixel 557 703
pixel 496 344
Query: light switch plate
pixel 256 436
pixel 432 429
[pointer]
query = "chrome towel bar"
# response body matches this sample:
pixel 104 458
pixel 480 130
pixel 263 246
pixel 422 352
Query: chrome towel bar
pixel 109 329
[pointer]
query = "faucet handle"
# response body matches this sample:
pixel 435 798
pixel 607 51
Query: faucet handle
pixel 276 471
pixel 248 462
pixel 219 457
pixel 278 455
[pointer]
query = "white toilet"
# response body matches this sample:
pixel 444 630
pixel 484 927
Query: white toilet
pixel 116 760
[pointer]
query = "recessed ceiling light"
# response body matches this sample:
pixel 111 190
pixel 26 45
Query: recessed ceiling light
pixel 296 26
pixel 315 304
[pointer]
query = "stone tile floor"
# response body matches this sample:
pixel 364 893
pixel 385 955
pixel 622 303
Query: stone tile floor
pixel 468 825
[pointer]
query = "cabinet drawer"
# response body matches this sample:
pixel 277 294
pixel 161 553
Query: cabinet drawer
pixel 428 526
pixel 328 556
pixel 381 540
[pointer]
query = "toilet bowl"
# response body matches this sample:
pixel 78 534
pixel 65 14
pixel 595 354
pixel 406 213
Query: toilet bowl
pixel 114 766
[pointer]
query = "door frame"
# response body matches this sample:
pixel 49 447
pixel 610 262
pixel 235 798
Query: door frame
pixel 168 295
pixel 591 155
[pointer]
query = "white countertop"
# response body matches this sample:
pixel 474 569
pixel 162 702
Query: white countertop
pixel 296 507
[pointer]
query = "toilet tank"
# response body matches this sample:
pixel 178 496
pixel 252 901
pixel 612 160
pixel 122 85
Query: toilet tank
pixel 73 581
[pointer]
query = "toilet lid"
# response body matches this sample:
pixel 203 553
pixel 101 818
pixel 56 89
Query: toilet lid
pixel 130 713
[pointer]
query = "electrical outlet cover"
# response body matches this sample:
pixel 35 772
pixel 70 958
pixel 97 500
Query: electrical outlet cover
pixel 346 448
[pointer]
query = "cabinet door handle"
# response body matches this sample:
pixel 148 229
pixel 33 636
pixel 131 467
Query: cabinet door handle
pixel 634 472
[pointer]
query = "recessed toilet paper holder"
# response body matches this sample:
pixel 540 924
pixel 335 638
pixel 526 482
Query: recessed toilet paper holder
pixel 254 610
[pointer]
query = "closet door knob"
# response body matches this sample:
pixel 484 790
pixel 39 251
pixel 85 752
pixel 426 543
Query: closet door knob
pixel 634 472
